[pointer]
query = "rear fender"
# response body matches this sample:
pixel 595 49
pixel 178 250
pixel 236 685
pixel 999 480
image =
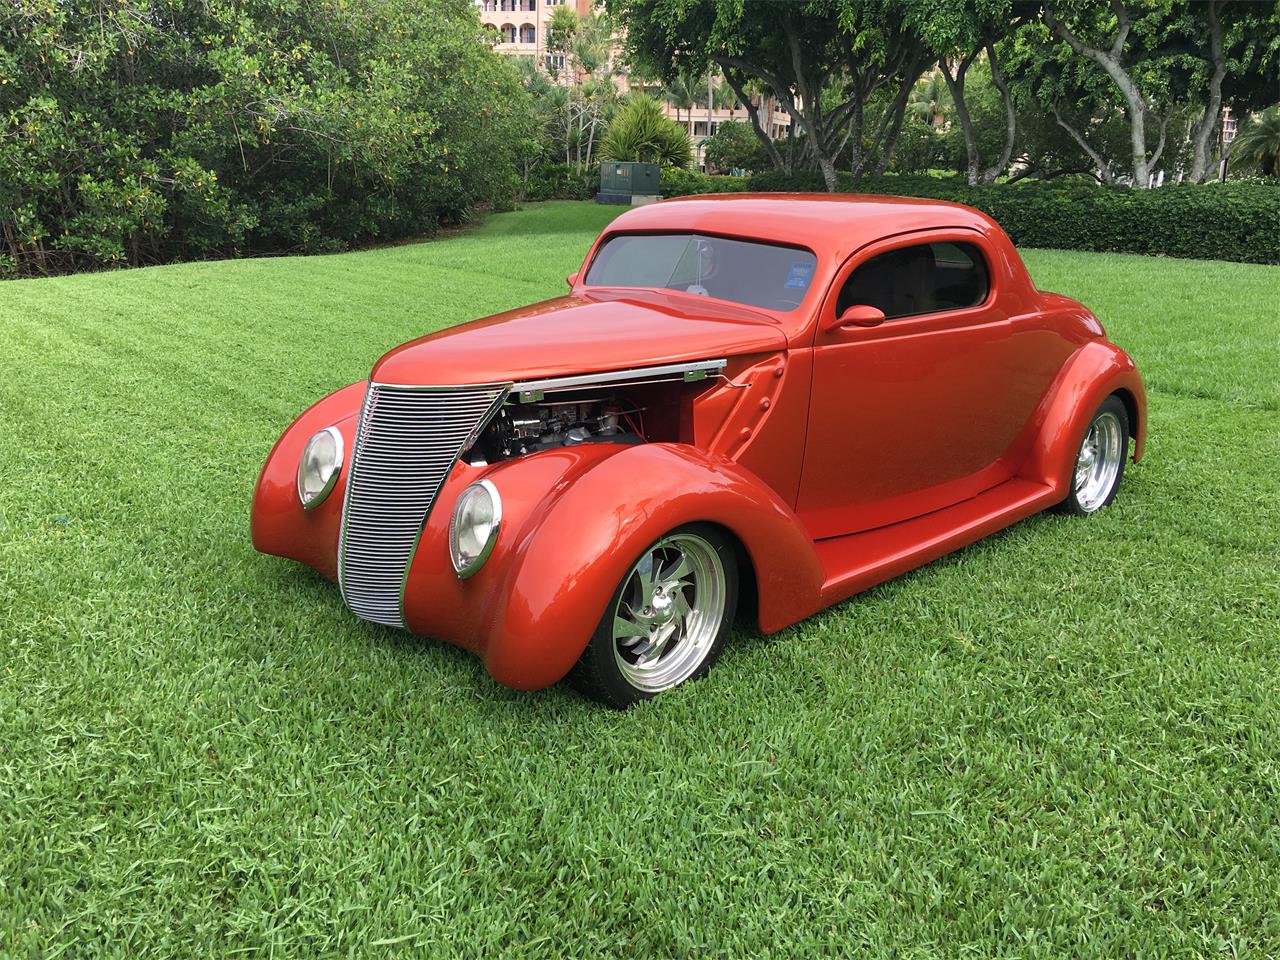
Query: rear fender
pixel 568 559
pixel 1094 372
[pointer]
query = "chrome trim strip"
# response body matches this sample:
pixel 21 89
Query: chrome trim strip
pixel 346 493
pixel 554 384
pixel 438 388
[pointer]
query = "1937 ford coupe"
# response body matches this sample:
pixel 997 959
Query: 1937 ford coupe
pixel 782 399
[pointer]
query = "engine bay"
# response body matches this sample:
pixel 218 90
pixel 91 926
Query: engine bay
pixel 519 429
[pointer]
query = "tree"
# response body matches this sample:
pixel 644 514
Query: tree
pixel 1259 142
pixel 642 133
pixel 960 35
pixel 1068 122
pixel 681 91
pixel 1239 42
pixel 930 99
pixel 1210 117
pixel 586 43
pixel 823 61
pixel 733 146
pixel 133 132
pixel 1114 37
pixel 723 97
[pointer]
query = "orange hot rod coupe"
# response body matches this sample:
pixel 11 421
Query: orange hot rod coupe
pixel 778 400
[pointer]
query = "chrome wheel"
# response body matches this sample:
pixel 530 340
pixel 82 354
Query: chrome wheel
pixel 1099 462
pixel 669 612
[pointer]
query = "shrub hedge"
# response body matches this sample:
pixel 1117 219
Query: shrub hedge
pixel 1239 220
pixel 1219 221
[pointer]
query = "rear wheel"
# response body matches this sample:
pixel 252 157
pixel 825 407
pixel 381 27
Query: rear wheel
pixel 1099 466
pixel 666 622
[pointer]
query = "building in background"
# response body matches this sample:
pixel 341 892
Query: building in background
pixel 521 26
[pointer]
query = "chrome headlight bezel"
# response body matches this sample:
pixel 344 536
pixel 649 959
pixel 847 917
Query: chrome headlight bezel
pixel 467 565
pixel 313 499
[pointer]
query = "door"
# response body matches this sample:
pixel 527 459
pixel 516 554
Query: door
pixel 909 415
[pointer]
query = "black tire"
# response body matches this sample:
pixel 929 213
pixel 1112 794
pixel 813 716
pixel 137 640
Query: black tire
pixel 1085 498
pixel 600 675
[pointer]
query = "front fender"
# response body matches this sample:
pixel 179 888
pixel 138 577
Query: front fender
pixel 277 522
pixel 567 555
pixel 1093 373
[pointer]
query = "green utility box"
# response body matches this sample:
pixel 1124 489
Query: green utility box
pixel 633 183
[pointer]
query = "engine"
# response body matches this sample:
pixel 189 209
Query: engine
pixel 524 428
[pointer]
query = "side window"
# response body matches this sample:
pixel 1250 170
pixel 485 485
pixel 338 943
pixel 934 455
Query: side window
pixel 927 278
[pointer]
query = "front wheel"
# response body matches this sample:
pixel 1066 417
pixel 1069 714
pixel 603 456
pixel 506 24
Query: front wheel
pixel 1099 466
pixel 667 621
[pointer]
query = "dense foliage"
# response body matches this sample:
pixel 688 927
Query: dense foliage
pixel 142 131
pixel 1131 91
pixel 1231 221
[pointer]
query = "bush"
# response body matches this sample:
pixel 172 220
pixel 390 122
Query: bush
pixel 776 181
pixel 920 148
pixel 734 145
pixel 134 133
pixel 1216 221
pixel 561 181
pixel 677 182
pixel 641 133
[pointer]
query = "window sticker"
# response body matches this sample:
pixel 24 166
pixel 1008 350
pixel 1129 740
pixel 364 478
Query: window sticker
pixel 799 275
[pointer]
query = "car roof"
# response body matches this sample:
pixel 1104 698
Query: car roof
pixel 829 224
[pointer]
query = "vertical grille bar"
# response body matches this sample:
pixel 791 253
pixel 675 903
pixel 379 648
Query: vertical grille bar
pixel 407 442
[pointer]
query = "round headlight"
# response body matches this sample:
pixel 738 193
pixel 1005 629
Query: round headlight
pixel 476 518
pixel 319 466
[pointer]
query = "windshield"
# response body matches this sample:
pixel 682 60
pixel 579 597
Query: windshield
pixel 756 274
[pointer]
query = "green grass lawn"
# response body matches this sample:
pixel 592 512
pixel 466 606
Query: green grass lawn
pixel 1064 740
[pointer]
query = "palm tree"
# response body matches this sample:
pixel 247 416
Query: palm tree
pixel 930 99
pixel 723 97
pixel 683 93
pixel 1259 142
pixel 641 132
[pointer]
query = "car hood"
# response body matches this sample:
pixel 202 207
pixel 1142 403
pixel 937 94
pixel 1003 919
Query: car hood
pixel 590 332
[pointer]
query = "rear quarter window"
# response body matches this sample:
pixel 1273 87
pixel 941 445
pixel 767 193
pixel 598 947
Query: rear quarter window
pixel 919 279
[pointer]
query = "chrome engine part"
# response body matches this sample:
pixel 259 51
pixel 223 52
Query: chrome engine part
pixel 519 429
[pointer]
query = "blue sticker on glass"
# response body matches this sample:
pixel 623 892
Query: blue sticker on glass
pixel 799 275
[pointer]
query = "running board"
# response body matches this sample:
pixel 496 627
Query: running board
pixel 859 561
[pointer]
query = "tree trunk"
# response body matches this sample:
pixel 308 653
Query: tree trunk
pixel 1104 170
pixel 1109 60
pixel 1011 120
pixel 1203 130
pixel 828 168
pixel 897 112
pixel 956 85
pixel 753 114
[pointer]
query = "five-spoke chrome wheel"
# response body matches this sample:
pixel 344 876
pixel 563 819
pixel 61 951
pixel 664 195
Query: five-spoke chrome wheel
pixel 1100 460
pixel 667 620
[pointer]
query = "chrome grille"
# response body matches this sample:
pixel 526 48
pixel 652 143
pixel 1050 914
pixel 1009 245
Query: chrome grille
pixel 406 444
